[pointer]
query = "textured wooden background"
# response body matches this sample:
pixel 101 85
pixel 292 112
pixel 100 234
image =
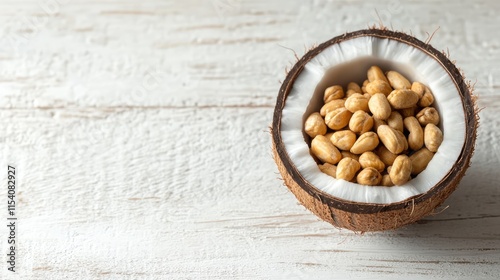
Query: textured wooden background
pixel 139 130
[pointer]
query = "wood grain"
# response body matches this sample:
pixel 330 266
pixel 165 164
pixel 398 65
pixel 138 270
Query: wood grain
pixel 140 132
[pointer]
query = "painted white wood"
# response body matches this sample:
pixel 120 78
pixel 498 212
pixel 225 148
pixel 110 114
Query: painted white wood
pixel 140 134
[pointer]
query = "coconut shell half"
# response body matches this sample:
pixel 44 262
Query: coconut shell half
pixel 366 216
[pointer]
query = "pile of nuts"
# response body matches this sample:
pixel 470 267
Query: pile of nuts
pixel 382 133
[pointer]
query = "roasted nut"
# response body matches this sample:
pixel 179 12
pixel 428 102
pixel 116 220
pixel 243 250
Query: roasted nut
pixel 366 142
pixel 328 169
pixel 338 118
pixel 408 112
pixel 370 159
pixel 347 168
pixel 428 115
pixel 385 155
pixel 424 94
pixel 343 139
pixel 350 93
pixel 324 150
pixel 403 139
pixel 349 155
pixel 332 93
pixel 378 86
pixel 416 136
pixel 377 123
pixel 354 87
pixel 426 100
pixel 397 81
pixel 315 125
pixel 418 88
pixel 361 122
pixel 379 106
pixel 395 121
pixel 420 160
pixel 363 88
pixel 402 98
pixel 332 105
pixel 369 177
pixel 391 139
pixel 433 137
pixel 386 181
pixel 356 102
pixel 400 170
pixel 375 73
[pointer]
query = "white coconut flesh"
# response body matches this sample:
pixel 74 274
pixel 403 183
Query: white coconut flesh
pixel 349 61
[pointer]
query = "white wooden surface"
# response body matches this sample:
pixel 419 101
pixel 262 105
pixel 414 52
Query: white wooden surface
pixel 139 130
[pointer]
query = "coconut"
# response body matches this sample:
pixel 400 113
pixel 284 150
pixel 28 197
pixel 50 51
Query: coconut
pixel 344 59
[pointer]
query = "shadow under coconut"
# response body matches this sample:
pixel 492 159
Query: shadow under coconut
pixel 473 210
pixel 465 230
pixel 468 219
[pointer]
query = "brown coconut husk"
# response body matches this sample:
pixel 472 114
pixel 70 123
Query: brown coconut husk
pixel 363 217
